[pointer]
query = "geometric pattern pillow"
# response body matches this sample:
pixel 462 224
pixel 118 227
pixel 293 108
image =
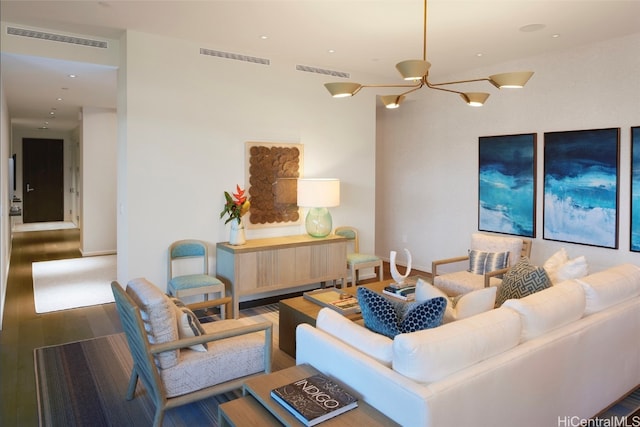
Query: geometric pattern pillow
pixel 481 262
pixel 391 318
pixel 521 280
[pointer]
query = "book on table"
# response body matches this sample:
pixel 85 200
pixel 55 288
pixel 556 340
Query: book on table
pixel 314 399
pixel 340 301
pixel 407 293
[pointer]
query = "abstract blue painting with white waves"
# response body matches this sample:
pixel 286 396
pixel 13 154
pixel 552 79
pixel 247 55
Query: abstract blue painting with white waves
pixel 507 184
pixel 635 189
pixel 581 187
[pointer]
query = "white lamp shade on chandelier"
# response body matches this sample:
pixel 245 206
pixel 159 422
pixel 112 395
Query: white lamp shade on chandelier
pixel 415 73
pixel 318 195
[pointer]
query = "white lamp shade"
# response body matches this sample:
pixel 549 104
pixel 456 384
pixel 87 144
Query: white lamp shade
pixel 318 193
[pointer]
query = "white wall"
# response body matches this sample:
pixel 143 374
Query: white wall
pixel 431 207
pixel 98 148
pixel 5 220
pixel 184 119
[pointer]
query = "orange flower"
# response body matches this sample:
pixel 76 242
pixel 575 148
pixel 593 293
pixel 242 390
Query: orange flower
pixel 235 206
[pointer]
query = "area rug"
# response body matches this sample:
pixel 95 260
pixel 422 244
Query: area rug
pixel 72 283
pixel 43 226
pixel 84 384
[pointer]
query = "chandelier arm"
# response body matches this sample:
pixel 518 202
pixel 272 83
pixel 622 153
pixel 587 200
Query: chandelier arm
pixel 412 90
pixel 433 85
pixel 414 86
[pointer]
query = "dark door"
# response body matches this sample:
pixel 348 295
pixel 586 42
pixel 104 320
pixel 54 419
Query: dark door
pixel 43 180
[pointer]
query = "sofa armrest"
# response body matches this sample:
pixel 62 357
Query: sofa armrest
pixel 436 263
pixel 399 398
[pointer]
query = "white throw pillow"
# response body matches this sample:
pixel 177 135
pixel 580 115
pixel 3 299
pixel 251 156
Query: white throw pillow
pixel 573 269
pixel 372 344
pixel 610 287
pixel 466 305
pixel 554 263
pixel 475 302
pixel 560 268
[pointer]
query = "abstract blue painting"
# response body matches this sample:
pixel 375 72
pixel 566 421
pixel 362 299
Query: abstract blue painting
pixel 507 184
pixel 635 189
pixel 581 186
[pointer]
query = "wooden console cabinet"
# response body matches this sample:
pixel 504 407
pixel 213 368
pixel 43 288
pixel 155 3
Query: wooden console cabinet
pixel 277 264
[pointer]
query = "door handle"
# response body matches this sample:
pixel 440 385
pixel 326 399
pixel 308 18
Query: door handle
pixel 29 188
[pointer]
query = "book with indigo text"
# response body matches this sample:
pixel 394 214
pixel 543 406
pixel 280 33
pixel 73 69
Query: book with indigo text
pixel 314 399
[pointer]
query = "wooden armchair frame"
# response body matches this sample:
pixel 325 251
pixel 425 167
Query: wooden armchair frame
pixel 144 367
pixel 526 251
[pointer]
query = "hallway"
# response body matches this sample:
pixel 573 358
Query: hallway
pixel 24 330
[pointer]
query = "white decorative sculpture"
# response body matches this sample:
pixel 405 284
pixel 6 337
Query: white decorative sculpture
pixel 397 277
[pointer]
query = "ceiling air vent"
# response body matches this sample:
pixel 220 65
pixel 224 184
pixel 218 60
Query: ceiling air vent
pixel 56 37
pixel 326 72
pixel 234 56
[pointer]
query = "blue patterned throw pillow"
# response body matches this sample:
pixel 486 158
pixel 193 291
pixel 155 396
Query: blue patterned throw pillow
pixel 391 318
pixel 481 262
pixel 521 280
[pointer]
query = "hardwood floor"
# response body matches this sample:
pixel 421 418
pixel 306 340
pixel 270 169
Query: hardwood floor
pixel 23 330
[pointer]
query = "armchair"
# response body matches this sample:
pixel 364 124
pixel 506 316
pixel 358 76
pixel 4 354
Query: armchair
pixel 172 372
pixel 461 282
pixel 356 260
pixel 198 281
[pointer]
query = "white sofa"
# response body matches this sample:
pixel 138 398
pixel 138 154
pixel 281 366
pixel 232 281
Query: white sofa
pixel 565 352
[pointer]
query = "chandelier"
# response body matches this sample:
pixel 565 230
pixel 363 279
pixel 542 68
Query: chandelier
pixel 417 71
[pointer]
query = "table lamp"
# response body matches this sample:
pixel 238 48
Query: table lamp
pixel 318 195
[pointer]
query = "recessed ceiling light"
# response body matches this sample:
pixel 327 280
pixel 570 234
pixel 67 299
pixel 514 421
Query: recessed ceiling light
pixel 73 76
pixel 479 54
pixel 331 51
pixel 52 113
pixel 532 27
pixel 263 37
pixel 555 36
pixel 58 99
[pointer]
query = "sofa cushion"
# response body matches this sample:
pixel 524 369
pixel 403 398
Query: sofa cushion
pixel 390 318
pixel 610 287
pixel 481 262
pixel 225 359
pixel 370 343
pixel 159 317
pixel 188 323
pixel 459 307
pixel 430 355
pixel 461 282
pixel 549 309
pixel 521 280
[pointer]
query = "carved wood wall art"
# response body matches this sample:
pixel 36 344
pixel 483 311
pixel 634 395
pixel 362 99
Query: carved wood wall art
pixel 273 171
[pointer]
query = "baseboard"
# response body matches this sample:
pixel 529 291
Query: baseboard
pixel 98 253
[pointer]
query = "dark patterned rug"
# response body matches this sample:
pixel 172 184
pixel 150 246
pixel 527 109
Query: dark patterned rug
pixel 84 384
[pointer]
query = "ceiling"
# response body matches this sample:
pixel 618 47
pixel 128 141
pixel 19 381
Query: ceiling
pixel 364 36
